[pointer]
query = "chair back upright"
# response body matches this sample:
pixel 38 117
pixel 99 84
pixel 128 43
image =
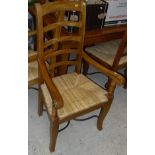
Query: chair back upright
pixel 120 52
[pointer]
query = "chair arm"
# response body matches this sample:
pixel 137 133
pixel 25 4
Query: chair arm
pixel 119 79
pixel 55 94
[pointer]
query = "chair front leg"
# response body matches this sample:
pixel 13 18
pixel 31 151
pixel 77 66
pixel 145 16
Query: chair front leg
pixel 54 126
pixel 125 74
pixel 102 115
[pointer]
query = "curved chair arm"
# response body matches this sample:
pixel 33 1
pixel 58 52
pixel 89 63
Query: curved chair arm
pixel 119 79
pixel 55 94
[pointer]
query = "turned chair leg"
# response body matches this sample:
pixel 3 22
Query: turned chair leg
pixel 103 113
pixel 54 126
pixel 40 102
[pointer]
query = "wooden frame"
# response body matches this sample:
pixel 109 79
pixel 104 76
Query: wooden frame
pixel 56 47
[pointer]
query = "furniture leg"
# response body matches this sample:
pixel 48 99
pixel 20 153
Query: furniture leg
pixel 54 126
pixel 85 67
pixel 125 74
pixel 103 113
pixel 40 102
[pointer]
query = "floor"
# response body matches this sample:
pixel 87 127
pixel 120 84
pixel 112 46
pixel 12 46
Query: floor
pixel 81 138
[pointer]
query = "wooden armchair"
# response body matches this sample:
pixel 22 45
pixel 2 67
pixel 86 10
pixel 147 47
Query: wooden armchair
pixel 70 95
pixel 111 54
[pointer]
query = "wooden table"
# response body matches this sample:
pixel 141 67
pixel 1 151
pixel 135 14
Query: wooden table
pixel 104 34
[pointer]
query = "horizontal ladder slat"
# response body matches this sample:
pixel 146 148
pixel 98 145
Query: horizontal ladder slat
pixel 51 53
pixel 63 63
pixel 65 38
pixel 65 23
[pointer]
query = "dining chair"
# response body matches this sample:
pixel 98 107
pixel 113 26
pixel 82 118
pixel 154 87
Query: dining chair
pixel 72 94
pixel 112 54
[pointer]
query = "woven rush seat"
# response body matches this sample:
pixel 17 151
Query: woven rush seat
pixel 75 89
pixel 32 72
pixel 106 51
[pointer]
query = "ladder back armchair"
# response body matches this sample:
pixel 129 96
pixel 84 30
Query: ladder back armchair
pixel 69 95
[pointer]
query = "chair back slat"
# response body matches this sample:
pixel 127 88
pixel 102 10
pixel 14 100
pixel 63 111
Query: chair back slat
pixel 62 39
pixel 49 53
pixel 62 63
pixel 64 23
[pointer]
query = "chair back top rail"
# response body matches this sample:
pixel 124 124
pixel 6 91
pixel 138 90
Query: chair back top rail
pixel 60 5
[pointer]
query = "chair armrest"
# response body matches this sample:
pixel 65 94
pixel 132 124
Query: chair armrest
pixel 119 79
pixel 55 94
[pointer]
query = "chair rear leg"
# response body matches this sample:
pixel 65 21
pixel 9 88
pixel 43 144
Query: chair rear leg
pixel 85 67
pixel 40 102
pixel 125 74
pixel 54 126
pixel 103 113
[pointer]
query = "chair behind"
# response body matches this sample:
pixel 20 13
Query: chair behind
pixel 111 54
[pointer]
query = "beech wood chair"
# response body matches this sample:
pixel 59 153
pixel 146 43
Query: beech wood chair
pixel 112 54
pixel 73 94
